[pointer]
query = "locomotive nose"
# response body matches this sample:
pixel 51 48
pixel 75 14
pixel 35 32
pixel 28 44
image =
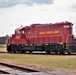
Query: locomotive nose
pixel 19 39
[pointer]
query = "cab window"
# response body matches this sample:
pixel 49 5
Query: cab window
pixel 22 32
pixel 17 32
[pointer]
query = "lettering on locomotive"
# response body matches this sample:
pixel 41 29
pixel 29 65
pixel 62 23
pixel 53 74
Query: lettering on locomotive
pixel 56 32
pixel 41 33
pixel 49 32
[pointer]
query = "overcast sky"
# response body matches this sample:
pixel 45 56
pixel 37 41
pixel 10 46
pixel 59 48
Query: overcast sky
pixel 14 13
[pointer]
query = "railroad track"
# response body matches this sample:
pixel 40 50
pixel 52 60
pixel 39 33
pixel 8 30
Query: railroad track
pixel 14 70
pixel 41 54
pixel 52 53
pixel 3 72
pixel 8 69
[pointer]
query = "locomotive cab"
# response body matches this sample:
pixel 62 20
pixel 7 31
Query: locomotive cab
pixel 18 39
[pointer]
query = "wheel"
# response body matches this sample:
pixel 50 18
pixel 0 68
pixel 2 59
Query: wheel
pixel 30 52
pixel 61 51
pixel 8 50
pixel 71 49
pixel 56 52
pixel 22 51
pixel 48 51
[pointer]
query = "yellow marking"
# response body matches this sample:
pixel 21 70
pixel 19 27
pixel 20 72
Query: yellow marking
pixel 17 44
pixel 8 44
pixel 49 32
pixel 26 44
pixel 68 38
pixel 56 32
pixel 42 33
pixel 61 43
pixel 62 38
pixel 46 44
pixel 38 44
pixel 17 37
pixel 30 44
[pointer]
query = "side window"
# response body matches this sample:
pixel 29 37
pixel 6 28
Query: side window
pixel 66 26
pixel 22 32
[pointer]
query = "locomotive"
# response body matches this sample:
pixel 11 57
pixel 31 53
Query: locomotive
pixel 52 37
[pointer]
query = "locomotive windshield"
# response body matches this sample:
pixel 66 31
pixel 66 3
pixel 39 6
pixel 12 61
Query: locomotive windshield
pixel 17 32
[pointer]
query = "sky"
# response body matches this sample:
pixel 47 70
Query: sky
pixel 14 13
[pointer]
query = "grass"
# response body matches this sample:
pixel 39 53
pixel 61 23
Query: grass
pixel 2 48
pixel 61 63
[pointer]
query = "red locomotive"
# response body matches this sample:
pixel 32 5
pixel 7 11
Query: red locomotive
pixel 55 37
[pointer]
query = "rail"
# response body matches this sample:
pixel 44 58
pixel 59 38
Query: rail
pixel 13 69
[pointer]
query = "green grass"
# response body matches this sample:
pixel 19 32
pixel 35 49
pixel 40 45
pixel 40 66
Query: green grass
pixel 61 63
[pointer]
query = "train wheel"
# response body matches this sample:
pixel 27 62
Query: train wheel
pixel 22 51
pixel 14 51
pixel 9 51
pixel 56 52
pixel 48 51
pixel 71 49
pixel 30 52
pixel 62 51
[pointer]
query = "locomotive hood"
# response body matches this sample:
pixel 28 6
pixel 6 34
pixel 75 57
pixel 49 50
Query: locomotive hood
pixel 64 23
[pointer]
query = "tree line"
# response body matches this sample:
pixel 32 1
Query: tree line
pixel 3 39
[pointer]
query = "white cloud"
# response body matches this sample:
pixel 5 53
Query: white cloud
pixel 13 17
